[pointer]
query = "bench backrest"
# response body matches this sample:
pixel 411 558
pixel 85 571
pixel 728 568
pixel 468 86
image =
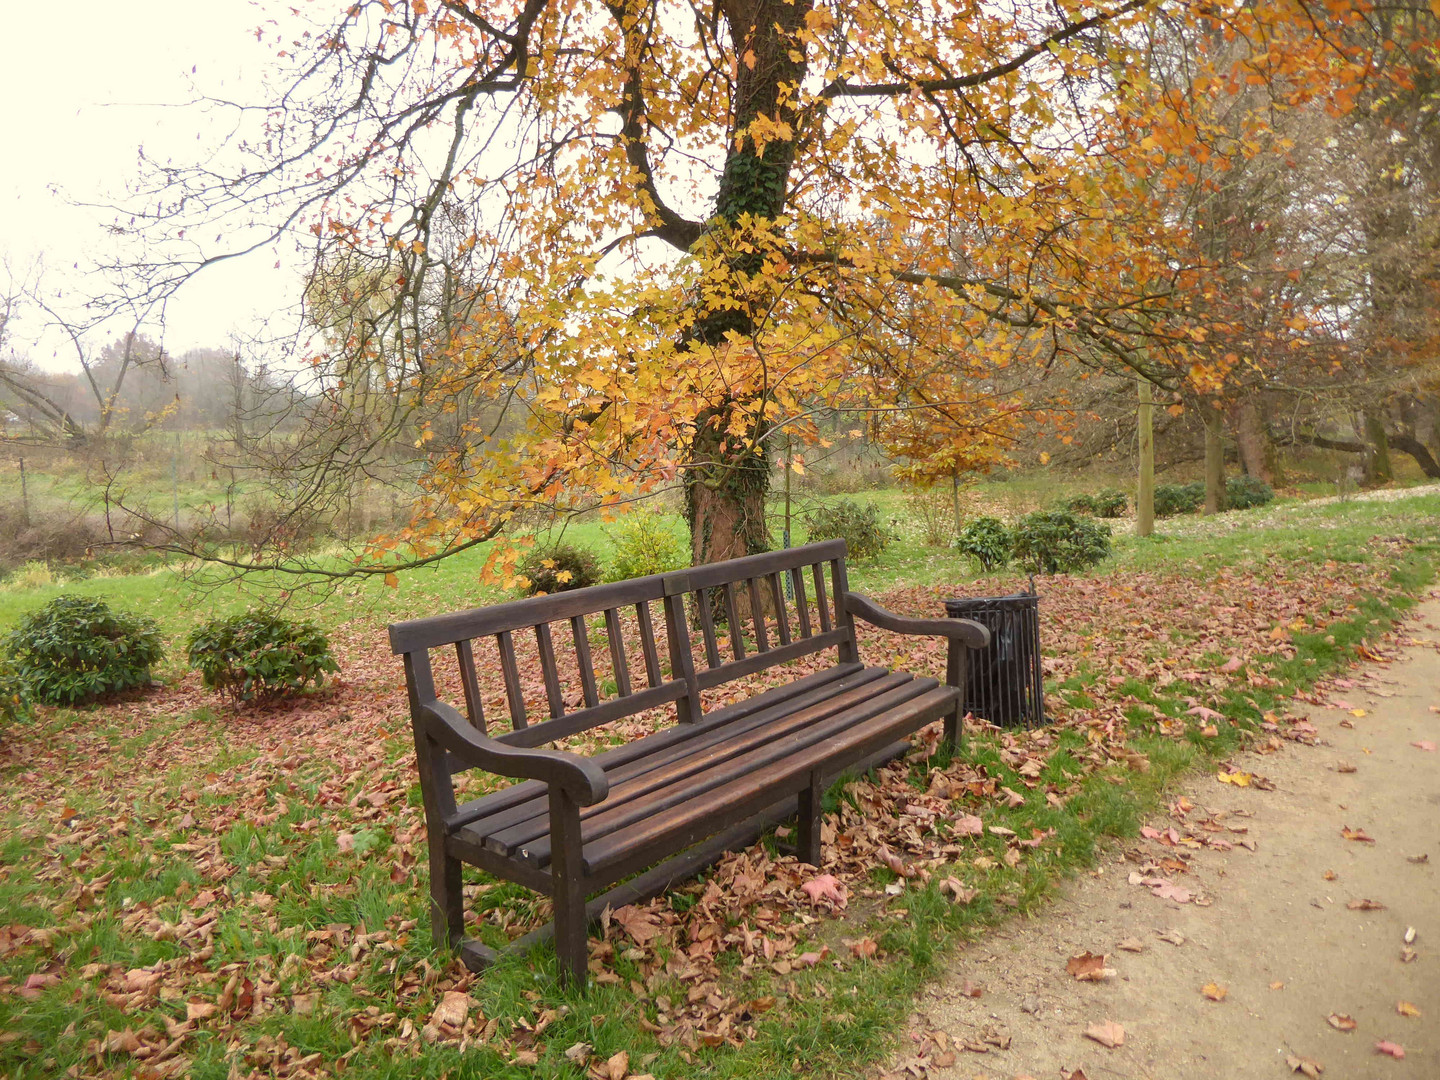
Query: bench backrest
pixel 774 607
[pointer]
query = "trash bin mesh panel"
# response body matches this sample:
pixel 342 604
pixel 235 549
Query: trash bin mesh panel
pixel 1004 683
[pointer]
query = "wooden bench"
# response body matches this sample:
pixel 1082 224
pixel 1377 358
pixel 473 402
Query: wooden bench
pixel 668 802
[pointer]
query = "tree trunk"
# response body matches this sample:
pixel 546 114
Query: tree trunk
pixel 1214 459
pixel 725 486
pixel 1252 441
pixel 1380 471
pixel 1145 496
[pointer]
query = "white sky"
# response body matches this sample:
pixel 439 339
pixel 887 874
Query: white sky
pixel 84 85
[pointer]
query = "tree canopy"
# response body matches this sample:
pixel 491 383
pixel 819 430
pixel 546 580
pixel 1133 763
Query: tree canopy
pixel 579 251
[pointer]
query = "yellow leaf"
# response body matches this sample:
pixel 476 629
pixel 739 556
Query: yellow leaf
pixel 1044 457
pixel 1404 1008
pixel 1214 992
pixel 1239 779
pixel 1357 712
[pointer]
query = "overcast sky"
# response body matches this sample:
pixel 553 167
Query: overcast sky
pixel 85 84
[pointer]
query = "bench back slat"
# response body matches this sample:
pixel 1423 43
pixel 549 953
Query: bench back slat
pixel 797 580
pixel 618 663
pixel 757 616
pixel 703 603
pixel 465 657
pixel 647 643
pixel 581 633
pixel 514 696
pixel 782 613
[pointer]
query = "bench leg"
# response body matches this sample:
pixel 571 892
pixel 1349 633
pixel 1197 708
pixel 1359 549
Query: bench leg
pixel 447 901
pixel 808 822
pixel 955 662
pixel 571 933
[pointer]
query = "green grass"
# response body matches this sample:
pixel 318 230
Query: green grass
pixel 837 1016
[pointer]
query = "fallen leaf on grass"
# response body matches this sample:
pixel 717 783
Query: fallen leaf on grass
pixel 454 1007
pixel 1356 834
pixel 1306 1066
pixel 618 1066
pixel 956 888
pixel 526 1057
pixel 1424 744
pixel 1404 1008
pixel 865 947
pixel 1214 991
pixel 579 1053
pixel 824 887
pixel 1109 1034
pixel 967 825
pixel 1341 1022
pixel 1088 967
pixel 1394 1050
pixel 641 925
pixel 1365 905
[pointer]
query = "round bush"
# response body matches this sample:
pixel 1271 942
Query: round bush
pixel 258 655
pixel 75 649
pixel 559 568
pixel 1081 504
pixel 987 541
pixel 1057 541
pixel 858 524
pixel 645 544
pixel 1244 492
pixel 14 694
pixel 1172 499
pixel 1110 503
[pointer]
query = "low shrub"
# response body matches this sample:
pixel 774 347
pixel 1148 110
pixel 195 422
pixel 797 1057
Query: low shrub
pixel 1058 541
pixel 559 568
pixel 1245 492
pixel 14 694
pixel 858 524
pixel 933 510
pixel 1111 503
pixel 1172 499
pixel 75 649
pixel 645 544
pixel 259 655
pixel 987 541
pixel 1081 504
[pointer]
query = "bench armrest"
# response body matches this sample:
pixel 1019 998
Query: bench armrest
pixel 583 780
pixel 967 632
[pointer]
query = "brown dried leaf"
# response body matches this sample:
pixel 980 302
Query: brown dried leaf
pixel 617 1066
pixel 1088 967
pixel 1341 1022
pixel 1305 1066
pixel 452 1009
pixel 1365 905
pixel 1108 1034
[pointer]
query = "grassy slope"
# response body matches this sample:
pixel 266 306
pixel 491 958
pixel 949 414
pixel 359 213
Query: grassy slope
pixel 808 1032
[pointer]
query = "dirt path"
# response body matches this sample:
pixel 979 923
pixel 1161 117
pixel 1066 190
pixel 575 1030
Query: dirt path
pixel 1273 931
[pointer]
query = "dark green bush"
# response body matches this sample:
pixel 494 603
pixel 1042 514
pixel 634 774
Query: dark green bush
pixel 75 648
pixel 14 694
pixel 559 568
pixel 1081 504
pixel 1244 492
pixel 987 541
pixel 259 655
pixel 858 524
pixel 1110 503
pixel 646 544
pixel 1057 541
pixel 1172 499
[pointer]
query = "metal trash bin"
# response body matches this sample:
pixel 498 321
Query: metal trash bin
pixel 1004 682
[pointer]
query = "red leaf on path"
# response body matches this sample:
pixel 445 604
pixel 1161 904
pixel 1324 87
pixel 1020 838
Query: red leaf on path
pixel 1423 744
pixel 1356 834
pixel 1395 1050
pixel 1168 891
pixel 824 887
pixel 1109 1034
pixel 1087 967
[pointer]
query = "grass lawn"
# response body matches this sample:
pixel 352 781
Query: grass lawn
pixel 190 889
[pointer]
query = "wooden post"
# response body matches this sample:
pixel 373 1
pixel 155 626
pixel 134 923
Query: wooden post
pixel 1214 459
pixel 24 496
pixel 1145 495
